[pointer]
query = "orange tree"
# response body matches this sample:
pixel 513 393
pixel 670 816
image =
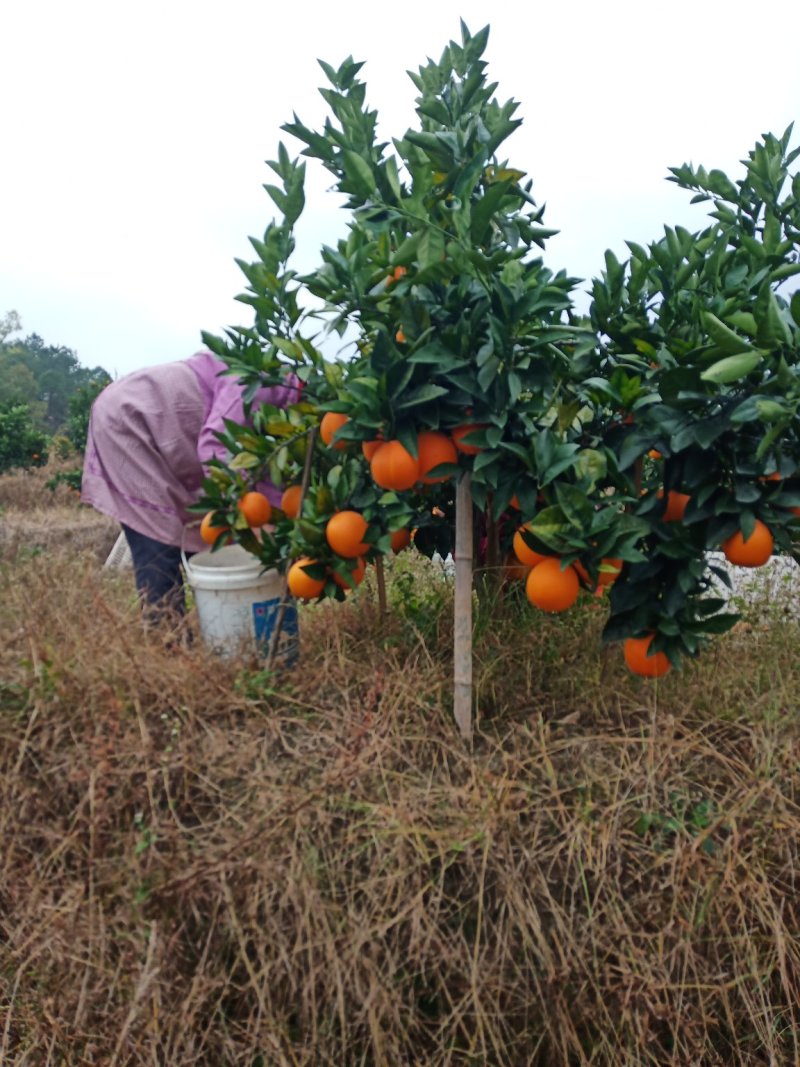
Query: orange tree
pixel 701 349
pixel 463 335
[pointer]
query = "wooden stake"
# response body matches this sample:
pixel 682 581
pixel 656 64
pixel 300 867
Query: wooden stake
pixel 285 594
pixel 462 630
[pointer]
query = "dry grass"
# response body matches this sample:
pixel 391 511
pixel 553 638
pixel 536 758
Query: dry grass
pixel 202 864
pixel 35 518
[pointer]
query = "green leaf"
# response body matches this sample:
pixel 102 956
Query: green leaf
pixel 548 526
pixel 244 461
pixel 422 395
pixel 358 168
pixel 431 248
pixel 732 368
pixel 575 504
pixel 591 464
pixel 724 337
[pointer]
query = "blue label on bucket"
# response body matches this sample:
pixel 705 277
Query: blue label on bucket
pixel 264 615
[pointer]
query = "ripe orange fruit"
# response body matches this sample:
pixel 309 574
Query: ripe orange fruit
pixel 514 503
pixel 550 588
pixel 331 422
pixel 524 554
pixel 344 533
pixel 396 275
pixel 369 448
pixel 301 584
pixel 400 337
pixel 654 454
pixel 461 432
pixel 754 552
pixel 356 576
pixel 676 505
pixel 256 509
pixel 605 578
pixel 393 467
pixel 400 539
pixel 210 531
pixel 290 501
pixel 434 448
pixel 636 649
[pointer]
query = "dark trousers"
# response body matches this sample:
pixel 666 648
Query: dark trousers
pixel 157 570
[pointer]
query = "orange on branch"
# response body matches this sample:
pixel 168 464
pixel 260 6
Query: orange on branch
pixel 393 467
pixel 369 448
pixel 400 539
pixel 344 533
pixel 210 531
pixel 331 422
pixel 460 432
pixel 639 659
pixel 754 552
pixel 300 582
pixel 676 505
pixel 290 501
pixel 434 448
pixel 608 577
pixel 550 588
pixel 529 556
pixel 256 509
pixel 356 576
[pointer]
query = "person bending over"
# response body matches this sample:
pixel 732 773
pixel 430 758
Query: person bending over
pixel 151 436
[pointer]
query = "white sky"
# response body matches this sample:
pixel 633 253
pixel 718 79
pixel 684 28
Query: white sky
pixel 134 136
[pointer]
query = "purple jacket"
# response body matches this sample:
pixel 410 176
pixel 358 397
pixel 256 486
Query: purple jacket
pixel 151 435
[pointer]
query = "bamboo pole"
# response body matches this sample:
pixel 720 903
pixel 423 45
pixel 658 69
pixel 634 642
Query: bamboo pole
pixel 285 594
pixel 462 629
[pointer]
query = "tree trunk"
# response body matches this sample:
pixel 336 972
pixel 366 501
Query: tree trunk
pixel 462 635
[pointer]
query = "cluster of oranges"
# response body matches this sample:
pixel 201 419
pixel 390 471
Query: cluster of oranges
pixel 255 508
pixel 391 464
pixel 551 586
pixel 344 532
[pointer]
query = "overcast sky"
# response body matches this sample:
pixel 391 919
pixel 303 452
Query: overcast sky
pixel 134 136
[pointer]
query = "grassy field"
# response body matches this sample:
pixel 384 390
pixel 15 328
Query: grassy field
pixel 203 864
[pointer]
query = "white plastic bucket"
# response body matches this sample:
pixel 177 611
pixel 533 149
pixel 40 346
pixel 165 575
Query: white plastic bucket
pixel 237 604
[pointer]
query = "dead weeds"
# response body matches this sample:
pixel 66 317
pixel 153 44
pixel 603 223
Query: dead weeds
pixel 206 864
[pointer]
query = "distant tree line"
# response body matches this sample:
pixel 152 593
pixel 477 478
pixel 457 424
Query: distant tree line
pixel 45 394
